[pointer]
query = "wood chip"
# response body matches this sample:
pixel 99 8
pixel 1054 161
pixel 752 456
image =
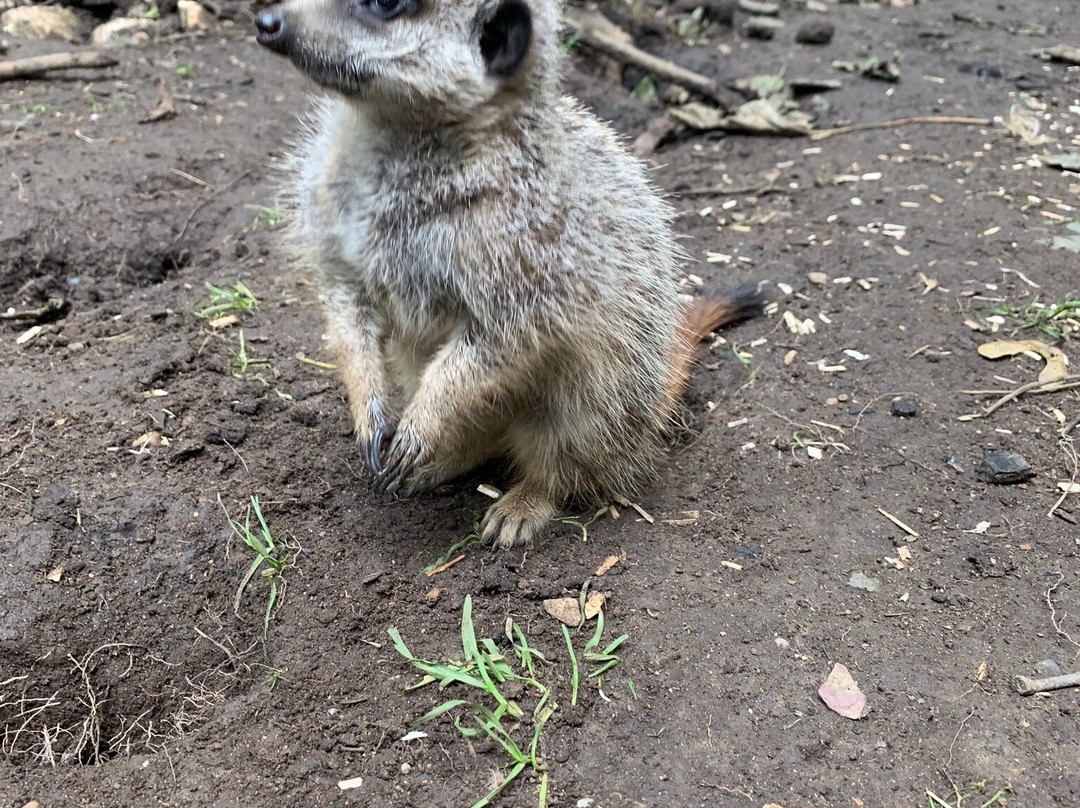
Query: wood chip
pixel 642 513
pixel 731 565
pixel 606 564
pixel 897 522
pixel 594 603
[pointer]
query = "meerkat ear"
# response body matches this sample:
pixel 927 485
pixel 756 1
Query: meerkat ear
pixel 505 37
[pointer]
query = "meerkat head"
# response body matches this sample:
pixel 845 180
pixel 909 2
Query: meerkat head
pixel 453 57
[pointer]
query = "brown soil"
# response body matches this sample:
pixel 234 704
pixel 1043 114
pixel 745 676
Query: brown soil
pixel 126 678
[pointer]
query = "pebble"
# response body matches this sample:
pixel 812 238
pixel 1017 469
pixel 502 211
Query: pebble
pixel 815 32
pixel 124 31
pixel 1048 667
pixel 903 408
pixel 760 7
pixel 1005 467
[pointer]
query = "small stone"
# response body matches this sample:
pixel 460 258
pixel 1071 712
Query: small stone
pixel 124 31
pixel 941 597
pixel 761 27
pixel 815 32
pixel 1047 667
pixel 760 7
pixel 861 581
pixel 192 16
pixel 1005 467
pixel 42 22
pixel 860 410
pixel 902 408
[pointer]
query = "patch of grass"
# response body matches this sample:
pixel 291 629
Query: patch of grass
pixel 1056 320
pixel 99 105
pixel 241 363
pixel 264 216
pixel 584 526
pixel 744 359
pixel 272 676
pixel 961 796
pixel 188 70
pixel 453 551
pixel 571 40
pixel 270 558
pixel 645 91
pixel 481 672
pixel 606 659
pixel 235 299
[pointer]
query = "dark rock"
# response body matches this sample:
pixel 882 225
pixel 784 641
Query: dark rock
pixel 940 597
pixel 719 11
pixel 815 32
pixel 903 408
pixel 761 27
pixel 231 434
pixel 1004 467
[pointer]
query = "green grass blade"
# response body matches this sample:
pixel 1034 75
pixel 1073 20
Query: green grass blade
pixel 574 667
pixel 486 800
pixel 435 712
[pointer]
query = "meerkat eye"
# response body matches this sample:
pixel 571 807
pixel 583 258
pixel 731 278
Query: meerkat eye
pixel 388 9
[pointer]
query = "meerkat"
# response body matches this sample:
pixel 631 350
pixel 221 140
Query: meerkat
pixel 499 277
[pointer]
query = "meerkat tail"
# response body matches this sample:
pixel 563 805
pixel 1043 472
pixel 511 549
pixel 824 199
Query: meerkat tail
pixel 702 317
pixel 708 314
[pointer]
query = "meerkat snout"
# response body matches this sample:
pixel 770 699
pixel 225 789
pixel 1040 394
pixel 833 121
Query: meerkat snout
pixel 271 28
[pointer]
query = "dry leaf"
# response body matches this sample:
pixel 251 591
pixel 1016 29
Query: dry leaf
pixel 1024 123
pixel 165 107
pixel 842 695
pixel 224 322
pixel 55 575
pixel 1056 361
pixel 565 610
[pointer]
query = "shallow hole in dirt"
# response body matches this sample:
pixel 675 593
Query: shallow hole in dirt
pixel 115 700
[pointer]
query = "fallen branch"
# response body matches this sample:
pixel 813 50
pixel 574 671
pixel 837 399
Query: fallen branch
pixel 36 65
pixel 599 32
pixel 1026 686
pixel 1064 383
pixel 917 119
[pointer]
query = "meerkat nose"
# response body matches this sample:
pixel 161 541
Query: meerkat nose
pixel 271 25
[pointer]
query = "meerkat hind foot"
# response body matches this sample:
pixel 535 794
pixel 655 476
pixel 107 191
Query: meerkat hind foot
pixel 516 518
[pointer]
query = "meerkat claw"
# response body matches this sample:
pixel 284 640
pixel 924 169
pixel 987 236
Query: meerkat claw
pixel 404 455
pixel 374 435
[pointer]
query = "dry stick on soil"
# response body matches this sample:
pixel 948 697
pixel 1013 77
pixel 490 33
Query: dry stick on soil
pixel 1064 383
pixel 206 201
pixel 897 522
pixel 36 65
pixel 917 119
pixel 1027 686
pixel 599 32
pixel 1055 621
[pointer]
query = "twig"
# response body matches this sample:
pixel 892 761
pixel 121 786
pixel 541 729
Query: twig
pixel 1055 621
pixel 755 190
pixel 206 200
pixel 916 119
pixel 36 65
pixel 599 32
pixel 446 566
pixel 51 306
pixel 1064 383
pixel 897 522
pixel 1026 686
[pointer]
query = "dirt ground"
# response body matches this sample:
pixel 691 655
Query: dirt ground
pixel 126 676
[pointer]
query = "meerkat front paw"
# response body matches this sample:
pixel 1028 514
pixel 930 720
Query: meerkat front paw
pixel 516 518
pixel 408 450
pixel 373 429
